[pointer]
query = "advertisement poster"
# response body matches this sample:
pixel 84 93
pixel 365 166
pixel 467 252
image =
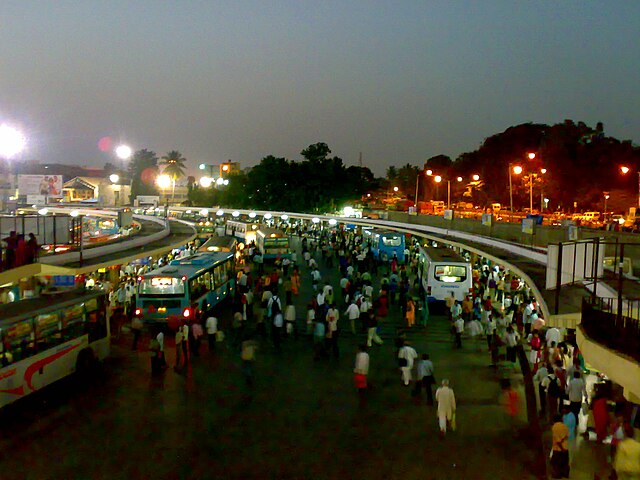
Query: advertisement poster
pixel 448 214
pixel 48 185
pixel 528 225
pixel 486 219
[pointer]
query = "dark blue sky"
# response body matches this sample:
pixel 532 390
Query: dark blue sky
pixel 400 81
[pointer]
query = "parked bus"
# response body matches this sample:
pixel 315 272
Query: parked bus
pixel 45 339
pixel 441 271
pixel 205 227
pixel 202 280
pixel 218 243
pixel 243 231
pixel 385 244
pixel 272 243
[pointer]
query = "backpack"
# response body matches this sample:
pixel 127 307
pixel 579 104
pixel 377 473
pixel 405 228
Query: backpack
pixel 553 389
pixel 275 306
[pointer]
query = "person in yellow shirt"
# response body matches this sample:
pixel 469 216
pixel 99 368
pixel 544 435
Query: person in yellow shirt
pixel 626 463
pixel 559 449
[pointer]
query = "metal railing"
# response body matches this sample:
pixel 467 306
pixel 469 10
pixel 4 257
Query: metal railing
pixel 618 330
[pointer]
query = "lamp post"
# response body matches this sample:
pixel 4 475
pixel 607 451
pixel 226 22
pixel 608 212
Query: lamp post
pixel 438 179
pixel 626 170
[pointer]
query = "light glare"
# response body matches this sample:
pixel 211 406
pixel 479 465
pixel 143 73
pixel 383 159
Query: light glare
pixel 12 141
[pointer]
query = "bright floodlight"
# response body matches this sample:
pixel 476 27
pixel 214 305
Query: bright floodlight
pixel 12 141
pixel 163 181
pixel 236 213
pixel 74 213
pixel 43 211
pixel 284 217
pixel 459 179
pixel 114 177
pixel 438 178
pixel 531 156
pixel 543 170
pixel 252 215
pixel 333 222
pixel 220 213
pixel 204 212
pixel 315 220
pixel 267 216
pixel 429 172
pixel 476 178
pixel 124 152
pixel 395 189
pixel 624 170
pixel 225 182
pixel 206 182
pixel 219 181
pixel 202 166
pixel 517 169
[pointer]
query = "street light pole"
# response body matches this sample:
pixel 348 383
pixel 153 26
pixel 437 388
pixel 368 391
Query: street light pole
pixel 415 203
pixel 531 193
pixel 510 196
pixel 448 194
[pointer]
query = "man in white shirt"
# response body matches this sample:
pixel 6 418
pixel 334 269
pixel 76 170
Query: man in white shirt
pixel 212 328
pixel 352 313
pixel 459 328
pixel 333 314
pixel 406 356
pixel 576 390
pixel 526 317
pixel 553 335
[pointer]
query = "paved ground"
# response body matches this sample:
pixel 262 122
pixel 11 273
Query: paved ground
pixel 300 421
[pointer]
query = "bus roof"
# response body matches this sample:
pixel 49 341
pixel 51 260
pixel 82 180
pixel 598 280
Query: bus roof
pixel 190 266
pixel 270 232
pixel 219 243
pixel 442 254
pixel 16 311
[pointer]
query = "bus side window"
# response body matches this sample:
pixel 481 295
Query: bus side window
pixel 5 355
pixel 48 328
pixel 208 279
pixel 230 268
pixel 21 338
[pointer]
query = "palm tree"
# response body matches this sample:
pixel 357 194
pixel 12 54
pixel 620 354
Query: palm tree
pixel 174 167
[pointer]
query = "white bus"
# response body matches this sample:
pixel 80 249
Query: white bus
pixel 45 339
pixel 244 231
pixel 441 271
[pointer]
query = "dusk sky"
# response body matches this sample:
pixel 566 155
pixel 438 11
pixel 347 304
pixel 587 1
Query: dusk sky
pixel 399 81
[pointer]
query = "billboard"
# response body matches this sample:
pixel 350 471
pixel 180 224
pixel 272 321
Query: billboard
pixel 48 185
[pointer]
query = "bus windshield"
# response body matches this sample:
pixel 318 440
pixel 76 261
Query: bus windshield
pixel 392 241
pixel 161 286
pixel 450 273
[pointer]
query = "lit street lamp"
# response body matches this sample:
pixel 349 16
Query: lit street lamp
pixel 114 178
pixel 12 141
pixel 123 152
pixel 626 170
pixel 205 182
pixel 438 179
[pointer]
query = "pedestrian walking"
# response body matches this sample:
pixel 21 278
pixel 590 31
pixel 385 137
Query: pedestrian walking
pixel 136 328
pixel 248 357
pixel 446 407
pixel 212 328
pixel 458 329
pixel 360 373
pixel 197 333
pixel 559 448
pixel 425 378
pixel 406 358
pixel 372 327
pixel 332 317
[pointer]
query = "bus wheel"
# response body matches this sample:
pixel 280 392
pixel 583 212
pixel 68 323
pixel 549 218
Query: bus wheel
pixel 86 363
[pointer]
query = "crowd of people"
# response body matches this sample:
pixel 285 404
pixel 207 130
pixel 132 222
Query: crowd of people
pixel 499 310
pixel 19 250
